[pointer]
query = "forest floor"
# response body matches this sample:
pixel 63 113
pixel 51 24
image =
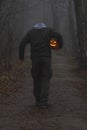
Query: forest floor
pixel 68 96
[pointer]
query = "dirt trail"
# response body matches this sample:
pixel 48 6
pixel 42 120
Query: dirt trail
pixel 69 110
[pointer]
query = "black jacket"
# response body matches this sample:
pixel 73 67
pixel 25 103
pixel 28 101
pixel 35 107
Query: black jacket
pixel 39 42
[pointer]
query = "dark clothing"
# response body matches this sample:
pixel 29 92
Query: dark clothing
pixel 41 73
pixel 41 60
pixel 39 42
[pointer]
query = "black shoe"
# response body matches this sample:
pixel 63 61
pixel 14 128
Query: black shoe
pixel 38 102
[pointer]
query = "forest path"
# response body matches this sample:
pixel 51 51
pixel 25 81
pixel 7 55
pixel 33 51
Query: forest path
pixel 69 110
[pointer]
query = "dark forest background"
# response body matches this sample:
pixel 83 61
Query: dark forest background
pixel 68 17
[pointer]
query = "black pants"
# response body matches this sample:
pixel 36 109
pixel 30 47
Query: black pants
pixel 41 73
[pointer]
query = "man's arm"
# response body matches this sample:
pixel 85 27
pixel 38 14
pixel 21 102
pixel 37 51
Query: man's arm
pixel 22 45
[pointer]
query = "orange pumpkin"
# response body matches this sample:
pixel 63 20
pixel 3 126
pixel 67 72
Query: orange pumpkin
pixel 54 43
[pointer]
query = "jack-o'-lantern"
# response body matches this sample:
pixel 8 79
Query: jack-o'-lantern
pixel 54 43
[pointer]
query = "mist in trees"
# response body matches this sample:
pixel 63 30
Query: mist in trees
pixel 67 17
pixel 81 11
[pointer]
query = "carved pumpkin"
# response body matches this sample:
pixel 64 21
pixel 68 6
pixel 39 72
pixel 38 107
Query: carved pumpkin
pixel 54 43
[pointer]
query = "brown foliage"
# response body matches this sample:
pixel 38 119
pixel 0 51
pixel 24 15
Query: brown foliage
pixel 11 81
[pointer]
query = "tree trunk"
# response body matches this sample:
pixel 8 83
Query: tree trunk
pixel 81 10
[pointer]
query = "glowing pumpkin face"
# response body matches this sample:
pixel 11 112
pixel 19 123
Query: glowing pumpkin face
pixel 54 43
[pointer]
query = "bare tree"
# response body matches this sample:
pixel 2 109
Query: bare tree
pixel 54 6
pixel 73 28
pixel 8 10
pixel 81 11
